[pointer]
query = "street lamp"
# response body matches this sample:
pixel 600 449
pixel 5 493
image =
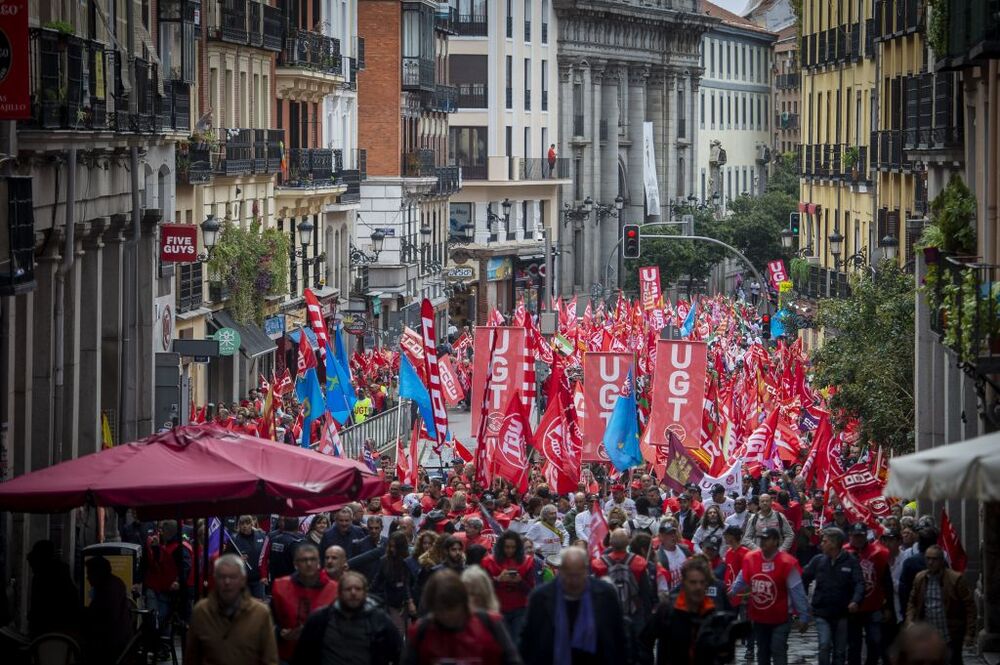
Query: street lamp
pixel 836 243
pixel 506 209
pixel 787 237
pixel 360 257
pixel 588 205
pixel 209 236
pixel 305 229
pixel 612 210
pixel 378 238
pixel 889 245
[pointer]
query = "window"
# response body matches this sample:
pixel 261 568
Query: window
pixel 467 146
pixel 729 110
pixel 751 114
pixel 743 61
pixel 711 58
pixel 752 71
pixel 744 100
pixel 767 121
pixel 703 184
pixel 545 21
pixel 527 84
pixel 510 19
pixel 545 85
pixel 701 106
pixel 711 114
pixel 681 114
pixel 509 81
pixel 527 20
pixel 729 60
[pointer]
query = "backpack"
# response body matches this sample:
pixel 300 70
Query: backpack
pixel 620 574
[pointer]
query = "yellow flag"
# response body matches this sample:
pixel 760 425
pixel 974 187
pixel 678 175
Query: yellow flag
pixel 106 439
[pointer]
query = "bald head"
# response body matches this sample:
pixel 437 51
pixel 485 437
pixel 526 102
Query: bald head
pixel 619 540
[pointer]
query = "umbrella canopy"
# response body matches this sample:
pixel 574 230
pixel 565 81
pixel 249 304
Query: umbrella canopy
pixel 194 471
pixel 967 470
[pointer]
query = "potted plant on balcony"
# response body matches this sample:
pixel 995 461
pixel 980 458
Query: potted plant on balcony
pixel 251 264
pixel 799 271
pixel 851 157
pixel 205 139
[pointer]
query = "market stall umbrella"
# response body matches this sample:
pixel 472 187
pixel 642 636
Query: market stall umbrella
pixel 967 470
pixel 194 471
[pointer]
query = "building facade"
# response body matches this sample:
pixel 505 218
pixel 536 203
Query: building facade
pixel 734 109
pixel 86 180
pixel 404 103
pixel 622 65
pixel 786 92
pixel 503 62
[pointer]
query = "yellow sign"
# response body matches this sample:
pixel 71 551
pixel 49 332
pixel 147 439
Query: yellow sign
pixel 785 287
pixel 122 566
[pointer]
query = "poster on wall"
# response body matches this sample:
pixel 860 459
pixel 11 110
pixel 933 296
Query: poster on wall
pixel 15 99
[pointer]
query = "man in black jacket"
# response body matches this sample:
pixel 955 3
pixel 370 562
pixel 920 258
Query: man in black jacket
pixel 352 630
pixel 840 586
pixel 365 552
pixel 574 619
pixel 249 542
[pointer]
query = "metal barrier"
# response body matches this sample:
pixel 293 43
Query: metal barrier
pixel 381 428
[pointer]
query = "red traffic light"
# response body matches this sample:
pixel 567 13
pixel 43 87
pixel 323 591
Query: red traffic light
pixel 631 233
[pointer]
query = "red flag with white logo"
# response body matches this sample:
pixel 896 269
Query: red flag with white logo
pixel 510 452
pixel 952 544
pixel 315 315
pixel 556 443
pixel 433 374
pixel 598 531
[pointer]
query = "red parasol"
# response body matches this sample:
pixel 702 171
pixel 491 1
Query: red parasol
pixel 194 471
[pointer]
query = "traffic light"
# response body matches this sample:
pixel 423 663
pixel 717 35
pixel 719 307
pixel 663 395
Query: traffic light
pixel 630 241
pixel 765 326
pixel 793 222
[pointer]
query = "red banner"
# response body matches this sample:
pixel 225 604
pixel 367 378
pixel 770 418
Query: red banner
pixel 559 447
pixel 453 393
pixel 15 99
pixel 678 392
pixel 649 287
pixel 178 242
pixel 510 453
pixel 433 376
pixel 603 376
pixel 412 344
pixel 776 273
pixel 506 369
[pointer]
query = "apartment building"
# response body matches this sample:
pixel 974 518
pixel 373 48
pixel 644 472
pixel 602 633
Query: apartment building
pixel 87 176
pixel 503 62
pixel 734 109
pixel 404 103
pixel 786 92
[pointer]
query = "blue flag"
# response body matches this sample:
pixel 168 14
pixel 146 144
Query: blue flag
pixel 338 402
pixel 411 387
pixel 310 395
pixel 778 323
pixel 688 325
pixel 621 438
pixel 346 380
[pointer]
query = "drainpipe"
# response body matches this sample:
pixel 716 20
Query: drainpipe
pixel 990 165
pixel 68 259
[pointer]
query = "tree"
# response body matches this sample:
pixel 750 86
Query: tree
pixel 754 226
pixel 785 175
pixel 868 356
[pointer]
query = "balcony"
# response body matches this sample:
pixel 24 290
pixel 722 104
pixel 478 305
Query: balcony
pixel 823 283
pixel 445 98
pixel 963 300
pixel 309 64
pixel 448 180
pixel 475 171
pixel 472 25
pixel 273 29
pixel 418 74
pixel 193 163
pixel 540 169
pixel 821 55
pixel 231 21
pixel 310 176
pixel 890 150
pixel 235 152
pixel 174 108
pixel 419 164
pixel 788 81
pixel 473 96
pixel 260 151
pixel 786 120
pixel 351 178
pixel 446 19
pixel 973 33
pixel 854 42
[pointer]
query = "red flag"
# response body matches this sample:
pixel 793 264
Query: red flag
pixel 510 454
pixel 406 460
pixel 283 384
pixel 315 315
pixel 462 451
pixel 453 392
pixel 307 358
pixel 952 544
pixel 557 446
pixel 433 373
pixel 598 531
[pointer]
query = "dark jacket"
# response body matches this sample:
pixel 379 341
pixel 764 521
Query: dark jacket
pixel 838 584
pixel 281 553
pixel 333 536
pixel 959 608
pixel 913 565
pixel 364 555
pixel 393 584
pixel 677 629
pixel 250 547
pixel 385 641
pixel 537 639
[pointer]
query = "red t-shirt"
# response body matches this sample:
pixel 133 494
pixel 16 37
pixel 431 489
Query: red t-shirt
pixel 734 564
pixel 512 595
pixel 768 582
pixel 874 560
pixel 392 506
pixel 473 644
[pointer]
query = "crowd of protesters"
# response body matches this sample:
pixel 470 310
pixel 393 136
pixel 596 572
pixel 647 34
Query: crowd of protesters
pixel 450 572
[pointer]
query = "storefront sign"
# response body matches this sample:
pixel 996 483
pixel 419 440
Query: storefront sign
pixel 15 101
pixel 274 326
pixel 499 269
pixel 163 324
pixel 461 272
pixel 178 243
pixel 355 324
pixel 229 341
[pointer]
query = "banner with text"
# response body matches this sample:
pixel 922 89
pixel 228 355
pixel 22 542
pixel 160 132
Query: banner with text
pixel 776 273
pixel 603 377
pixel 649 287
pixel 453 392
pixel 506 370
pixel 678 392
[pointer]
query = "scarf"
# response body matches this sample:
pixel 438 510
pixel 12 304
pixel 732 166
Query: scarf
pixel 584 636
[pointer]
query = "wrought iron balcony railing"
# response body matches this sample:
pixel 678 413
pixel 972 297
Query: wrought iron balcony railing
pixel 419 163
pixel 313 51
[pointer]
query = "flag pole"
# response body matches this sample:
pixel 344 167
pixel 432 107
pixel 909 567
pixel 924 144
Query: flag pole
pixel 399 419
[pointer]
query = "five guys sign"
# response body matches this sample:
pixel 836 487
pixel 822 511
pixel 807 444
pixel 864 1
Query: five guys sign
pixel 178 243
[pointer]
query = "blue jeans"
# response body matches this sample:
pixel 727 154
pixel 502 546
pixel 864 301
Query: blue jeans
pixel 772 642
pixel 161 603
pixel 870 623
pixel 514 620
pixel 832 635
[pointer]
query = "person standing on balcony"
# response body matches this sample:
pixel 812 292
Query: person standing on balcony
pixel 552 160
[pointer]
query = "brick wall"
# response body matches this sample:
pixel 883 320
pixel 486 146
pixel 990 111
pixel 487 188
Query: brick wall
pixel 380 85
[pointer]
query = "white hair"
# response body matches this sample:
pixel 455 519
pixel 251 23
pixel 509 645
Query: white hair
pixel 232 561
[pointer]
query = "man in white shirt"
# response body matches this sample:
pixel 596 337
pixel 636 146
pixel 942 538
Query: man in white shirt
pixel 619 500
pixel 721 501
pixel 582 521
pixel 740 513
pixel 547 534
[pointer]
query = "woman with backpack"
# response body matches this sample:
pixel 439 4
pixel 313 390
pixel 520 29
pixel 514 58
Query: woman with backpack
pixel 451 632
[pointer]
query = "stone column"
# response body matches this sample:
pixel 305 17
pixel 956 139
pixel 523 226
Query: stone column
pixel 637 77
pixel 670 134
pixel 565 150
pixel 43 378
pixel 146 275
pixel 91 282
pixel 112 298
pixel 596 253
pixel 609 165
pixel 693 184
pixel 656 107
pixel 71 350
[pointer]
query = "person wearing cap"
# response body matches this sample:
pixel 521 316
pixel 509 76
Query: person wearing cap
pixel 837 596
pixel 619 500
pixel 768 518
pixel 721 501
pixel 806 543
pixel 710 548
pixel 772 581
pixel 874 560
pixel 670 555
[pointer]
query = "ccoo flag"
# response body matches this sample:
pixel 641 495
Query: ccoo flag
pixel 621 437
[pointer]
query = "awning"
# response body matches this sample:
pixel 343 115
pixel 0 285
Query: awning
pixel 802 206
pixel 967 470
pixel 810 208
pixel 253 341
pixel 310 337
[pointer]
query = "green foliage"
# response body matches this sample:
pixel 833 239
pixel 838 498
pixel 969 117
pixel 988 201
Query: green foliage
pixel 968 309
pixel 937 27
pixel 953 212
pixel 798 270
pixel 868 355
pixel 851 156
pixel 252 264
pixel 63 27
pixel 785 175
pixel 754 225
